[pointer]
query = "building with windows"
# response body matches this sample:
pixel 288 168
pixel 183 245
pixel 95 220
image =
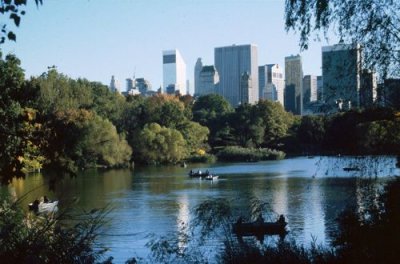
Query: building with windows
pixel 231 63
pixel 309 89
pixel 341 71
pixel 174 72
pixel 293 84
pixel 319 88
pixel 208 80
pixel 368 89
pixel 271 83
pixel 115 85
pixel 197 69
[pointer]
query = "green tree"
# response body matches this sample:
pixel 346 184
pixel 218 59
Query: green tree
pixel 311 132
pixel 276 120
pixel 247 125
pixel 20 130
pixel 157 144
pixel 213 111
pixel 195 136
pixel 82 139
pixel 372 23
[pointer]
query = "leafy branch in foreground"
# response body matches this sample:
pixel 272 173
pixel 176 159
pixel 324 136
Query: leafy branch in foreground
pixel 43 239
pixel 13 8
pixel 375 24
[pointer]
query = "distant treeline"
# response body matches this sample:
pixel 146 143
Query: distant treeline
pixel 55 122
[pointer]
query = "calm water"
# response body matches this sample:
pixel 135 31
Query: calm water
pixel 309 191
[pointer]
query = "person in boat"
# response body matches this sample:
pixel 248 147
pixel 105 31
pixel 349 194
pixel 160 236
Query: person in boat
pixel 260 219
pixel 281 220
pixel 191 172
pixel 45 199
pixel 207 173
pixel 199 172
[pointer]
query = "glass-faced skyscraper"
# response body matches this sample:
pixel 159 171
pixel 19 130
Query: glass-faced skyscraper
pixel 294 84
pixel 232 63
pixel 174 72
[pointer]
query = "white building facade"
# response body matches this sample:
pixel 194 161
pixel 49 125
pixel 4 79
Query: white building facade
pixel 174 72
pixel 271 83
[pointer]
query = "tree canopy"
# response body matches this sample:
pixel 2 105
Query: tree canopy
pixel 375 24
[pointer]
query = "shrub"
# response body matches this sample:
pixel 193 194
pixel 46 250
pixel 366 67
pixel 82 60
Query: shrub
pixel 234 153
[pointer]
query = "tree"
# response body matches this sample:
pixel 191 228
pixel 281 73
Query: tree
pixel 20 129
pixel 212 111
pixel 157 144
pixel 276 120
pixel 12 7
pixel 248 125
pixel 82 139
pixel 372 23
pixel 195 136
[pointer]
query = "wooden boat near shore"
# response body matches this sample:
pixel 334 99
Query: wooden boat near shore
pixel 260 228
pixel 351 169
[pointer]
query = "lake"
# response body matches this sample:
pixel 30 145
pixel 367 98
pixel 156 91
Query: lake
pixel 309 191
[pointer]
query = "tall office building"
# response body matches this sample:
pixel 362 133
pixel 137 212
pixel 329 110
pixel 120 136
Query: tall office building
pixel 341 71
pixel 114 85
pixel 142 85
pixel 294 84
pixel 271 82
pixel 197 69
pixel 319 88
pixel 368 89
pixel 309 89
pixel 174 72
pixel 231 63
pixel 208 80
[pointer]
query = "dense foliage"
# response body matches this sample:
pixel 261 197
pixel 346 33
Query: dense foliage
pixel 42 239
pixel 234 153
pixel 55 122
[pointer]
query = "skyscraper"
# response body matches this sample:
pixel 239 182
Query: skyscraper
pixel 208 80
pixel 271 82
pixel 319 88
pixel 309 89
pixel 197 69
pixel 231 63
pixel 114 85
pixel 294 84
pixel 174 72
pixel 368 89
pixel 341 71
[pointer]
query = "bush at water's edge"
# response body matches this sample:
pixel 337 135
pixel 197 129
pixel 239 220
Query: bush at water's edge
pixel 234 153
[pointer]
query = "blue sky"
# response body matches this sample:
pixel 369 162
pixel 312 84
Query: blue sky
pixel 95 39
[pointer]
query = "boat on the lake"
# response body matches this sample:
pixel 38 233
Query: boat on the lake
pixel 199 174
pixel 211 177
pixel 259 228
pixel 351 169
pixel 40 207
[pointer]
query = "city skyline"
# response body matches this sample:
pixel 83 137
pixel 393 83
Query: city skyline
pixel 121 41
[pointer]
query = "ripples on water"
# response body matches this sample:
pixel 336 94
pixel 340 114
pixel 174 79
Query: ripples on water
pixel 309 191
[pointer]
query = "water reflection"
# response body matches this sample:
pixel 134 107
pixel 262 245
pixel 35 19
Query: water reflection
pixel 309 192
